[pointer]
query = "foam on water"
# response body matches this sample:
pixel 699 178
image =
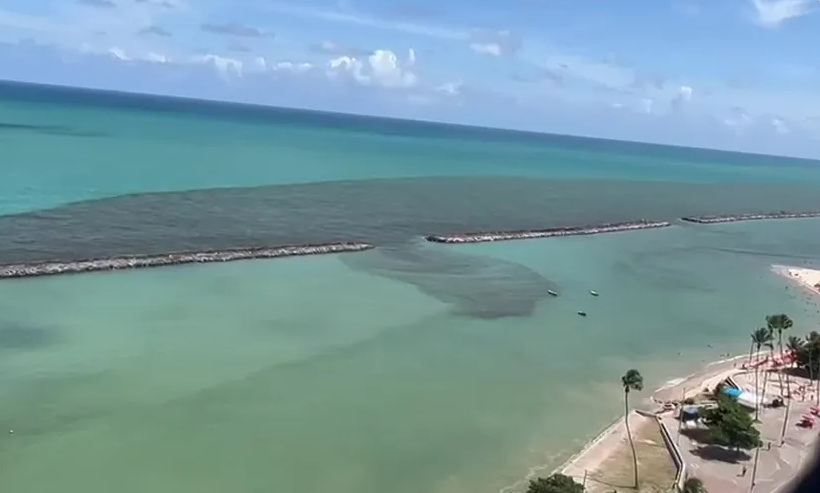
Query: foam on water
pixel 673 382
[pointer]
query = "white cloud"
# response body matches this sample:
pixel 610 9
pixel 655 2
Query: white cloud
pixel 383 69
pixel 773 13
pixel 451 88
pixel 780 126
pixel 738 121
pixel 494 43
pixel 294 67
pixel 119 54
pixel 493 49
pixel 683 96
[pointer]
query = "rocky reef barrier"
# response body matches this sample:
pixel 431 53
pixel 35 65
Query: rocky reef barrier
pixel 36 269
pixel 730 218
pixel 546 233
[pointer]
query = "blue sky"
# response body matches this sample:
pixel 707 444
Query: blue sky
pixel 734 74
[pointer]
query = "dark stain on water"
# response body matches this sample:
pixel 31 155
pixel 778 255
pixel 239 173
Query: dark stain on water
pixel 59 130
pixel 14 335
pixel 392 214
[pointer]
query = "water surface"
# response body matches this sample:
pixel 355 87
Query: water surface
pixel 371 372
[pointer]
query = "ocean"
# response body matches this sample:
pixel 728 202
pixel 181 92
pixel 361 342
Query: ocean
pixel 411 368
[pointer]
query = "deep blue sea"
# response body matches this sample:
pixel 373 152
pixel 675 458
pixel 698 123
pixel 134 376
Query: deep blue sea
pixel 412 368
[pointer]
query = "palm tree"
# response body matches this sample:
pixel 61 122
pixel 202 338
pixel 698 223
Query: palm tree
pixel 761 337
pixel 779 324
pixel 794 344
pixel 752 348
pixel 632 380
pixel 693 485
pixel 813 342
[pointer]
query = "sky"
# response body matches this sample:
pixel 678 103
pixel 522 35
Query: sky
pixel 730 74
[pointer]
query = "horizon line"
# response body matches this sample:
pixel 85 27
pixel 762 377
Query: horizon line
pixel 366 116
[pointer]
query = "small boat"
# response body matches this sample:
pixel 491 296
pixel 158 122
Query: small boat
pixel 582 313
pixel 552 293
pixel 594 293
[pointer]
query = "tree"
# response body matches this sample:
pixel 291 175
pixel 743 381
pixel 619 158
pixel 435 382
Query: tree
pixel 632 380
pixel 761 337
pixel 557 483
pixel 779 324
pixel 808 357
pixel 694 485
pixel 731 426
pixel 794 344
pixel 807 354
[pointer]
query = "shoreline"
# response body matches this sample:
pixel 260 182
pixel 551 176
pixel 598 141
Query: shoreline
pixel 39 269
pixel 803 277
pixel 678 388
pixel 729 218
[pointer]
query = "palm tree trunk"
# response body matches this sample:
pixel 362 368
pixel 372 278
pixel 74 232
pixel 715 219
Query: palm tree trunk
pixel 817 390
pixel 780 348
pixel 751 350
pixel 629 435
pixel 785 422
pixel 759 397
pixel 765 381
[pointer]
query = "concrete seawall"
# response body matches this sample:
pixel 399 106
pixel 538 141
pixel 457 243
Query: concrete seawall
pixel 140 262
pixel 749 217
pixel 546 233
pixel 674 451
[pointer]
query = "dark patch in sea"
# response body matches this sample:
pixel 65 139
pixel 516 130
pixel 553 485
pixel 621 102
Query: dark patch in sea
pixel 393 215
pixel 49 130
pixel 477 286
pixel 14 335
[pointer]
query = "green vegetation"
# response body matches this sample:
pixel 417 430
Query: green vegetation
pixel 557 483
pixel 730 426
pixel 632 380
pixel 807 358
pixel 777 324
pixel 761 338
pixel 694 485
pixel 807 352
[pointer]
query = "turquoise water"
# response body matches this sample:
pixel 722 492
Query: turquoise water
pixel 315 374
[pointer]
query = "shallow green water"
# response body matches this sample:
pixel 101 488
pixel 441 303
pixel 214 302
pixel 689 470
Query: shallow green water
pixel 263 376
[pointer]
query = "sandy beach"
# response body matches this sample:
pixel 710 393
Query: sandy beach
pixel 606 444
pixel 598 455
pixel 806 278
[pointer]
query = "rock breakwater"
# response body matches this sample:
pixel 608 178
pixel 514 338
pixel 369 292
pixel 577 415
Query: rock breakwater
pixel 139 262
pixel 729 218
pixel 546 233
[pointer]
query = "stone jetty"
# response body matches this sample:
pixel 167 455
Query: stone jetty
pixel 749 217
pixel 546 233
pixel 139 262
